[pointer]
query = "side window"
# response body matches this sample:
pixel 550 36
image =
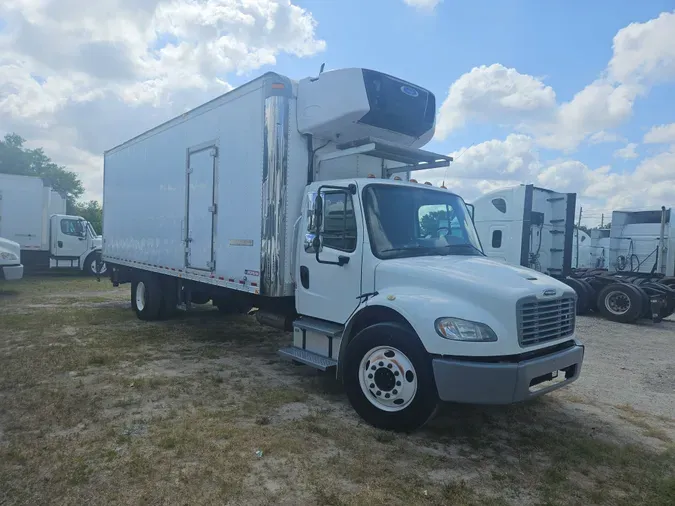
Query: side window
pixel 500 205
pixel 71 227
pixel 496 239
pixel 339 223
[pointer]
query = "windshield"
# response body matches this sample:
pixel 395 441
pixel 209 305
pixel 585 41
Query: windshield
pixel 404 222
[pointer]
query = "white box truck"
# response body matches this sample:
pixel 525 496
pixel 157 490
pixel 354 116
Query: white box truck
pixel 294 197
pixel 34 215
pixel 10 264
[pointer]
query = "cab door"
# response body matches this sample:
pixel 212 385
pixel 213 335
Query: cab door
pixel 69 237
pixel 328 285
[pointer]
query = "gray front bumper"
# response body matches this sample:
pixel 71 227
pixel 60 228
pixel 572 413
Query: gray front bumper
pixel 504 383
pixel 12 272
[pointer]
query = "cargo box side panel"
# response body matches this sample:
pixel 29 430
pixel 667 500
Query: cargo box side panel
pixel 240 166
pixel 145 190
pixel 22 210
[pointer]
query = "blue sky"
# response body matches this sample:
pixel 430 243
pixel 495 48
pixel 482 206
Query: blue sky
pixel 567 44
pixel 571 95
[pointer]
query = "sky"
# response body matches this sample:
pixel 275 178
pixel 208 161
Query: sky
pixel 568 95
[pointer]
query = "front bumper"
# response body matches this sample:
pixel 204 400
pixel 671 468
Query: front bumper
pixel 12 272
pixel 506 382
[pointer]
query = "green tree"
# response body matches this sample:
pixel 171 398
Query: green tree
pixel 92 212
pixel 17 159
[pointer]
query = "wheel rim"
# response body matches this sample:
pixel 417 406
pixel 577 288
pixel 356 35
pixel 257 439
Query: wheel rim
pixel 140 296
pixel 388 378
pixel 617 302
pixel 104 268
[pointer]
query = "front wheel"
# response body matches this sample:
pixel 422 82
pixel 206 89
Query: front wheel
pixel 91 268
pixel 389 378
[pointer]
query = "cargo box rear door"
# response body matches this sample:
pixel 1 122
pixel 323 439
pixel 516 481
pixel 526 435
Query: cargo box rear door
pixel 201 207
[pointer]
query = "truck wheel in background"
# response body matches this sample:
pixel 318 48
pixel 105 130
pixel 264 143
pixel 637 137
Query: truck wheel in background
pixel 620 302
pixel 90 265
pixel 146 297
pixel 582 294
pixel 389 378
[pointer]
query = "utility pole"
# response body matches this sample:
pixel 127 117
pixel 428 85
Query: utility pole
pixel 581 210
pixel 602 220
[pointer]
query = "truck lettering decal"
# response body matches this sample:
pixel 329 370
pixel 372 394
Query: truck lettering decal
pixel 241 242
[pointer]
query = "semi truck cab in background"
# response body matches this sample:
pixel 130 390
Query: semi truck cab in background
pixel 34 215
pixel 294 197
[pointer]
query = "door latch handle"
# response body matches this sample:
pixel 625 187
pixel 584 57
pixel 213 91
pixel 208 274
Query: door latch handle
pixel 60 243
pixel 343 260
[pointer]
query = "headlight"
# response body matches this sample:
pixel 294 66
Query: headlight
pixel 464 330
pixel 8 256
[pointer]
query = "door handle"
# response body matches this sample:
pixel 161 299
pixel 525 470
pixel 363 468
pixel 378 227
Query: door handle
pixel 60 243
pixel 343 260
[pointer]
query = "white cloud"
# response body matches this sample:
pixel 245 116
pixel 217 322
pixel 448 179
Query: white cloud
pixel 108 77
pixel 627 152
pixel 643 55
pixel 661 134
pixel 494 94
pixel 423 4
pixel 604 137
pixel 644 51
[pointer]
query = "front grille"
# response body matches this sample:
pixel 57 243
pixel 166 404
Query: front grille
pixel 542 321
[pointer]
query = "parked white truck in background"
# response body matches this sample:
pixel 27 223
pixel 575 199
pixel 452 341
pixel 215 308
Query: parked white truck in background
pixel 293 197
pixel 10 263
pixel 34 215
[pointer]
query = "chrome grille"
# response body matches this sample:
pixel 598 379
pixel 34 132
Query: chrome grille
pixel 541 321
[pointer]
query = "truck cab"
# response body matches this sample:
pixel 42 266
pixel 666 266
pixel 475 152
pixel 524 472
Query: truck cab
pixel 74 244
pixel 395 290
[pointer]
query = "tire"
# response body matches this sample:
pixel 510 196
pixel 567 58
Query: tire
pixel 582 294
pixel 90 265
pixel 390 344
pixel 590 293
pixel 146 297
pixel 627 305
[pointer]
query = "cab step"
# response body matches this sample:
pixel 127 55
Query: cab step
pixel 308 358
pixel 322 327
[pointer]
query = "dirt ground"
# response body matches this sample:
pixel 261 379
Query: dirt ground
pixel 97 407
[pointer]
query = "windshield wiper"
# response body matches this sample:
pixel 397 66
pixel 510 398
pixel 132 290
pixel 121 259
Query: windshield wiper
pixel 406 248
pixel 466 244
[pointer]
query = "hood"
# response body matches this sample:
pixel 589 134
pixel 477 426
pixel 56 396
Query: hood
pixel 481 277
pixel 97 242
pixel 9 248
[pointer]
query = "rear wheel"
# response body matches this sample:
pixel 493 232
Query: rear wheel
pixel 389 378
pixel 146 297
pixel 620 303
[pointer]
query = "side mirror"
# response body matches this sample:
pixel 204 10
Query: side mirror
pixel 318 213
pixel 316 243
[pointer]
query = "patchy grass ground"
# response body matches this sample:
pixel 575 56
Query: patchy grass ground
pixel 97 407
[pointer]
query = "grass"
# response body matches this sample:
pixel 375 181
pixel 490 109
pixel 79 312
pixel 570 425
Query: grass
pixel 99 408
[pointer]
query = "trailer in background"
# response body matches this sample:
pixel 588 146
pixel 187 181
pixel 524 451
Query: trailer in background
pixel 34 215
pixel 631 265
